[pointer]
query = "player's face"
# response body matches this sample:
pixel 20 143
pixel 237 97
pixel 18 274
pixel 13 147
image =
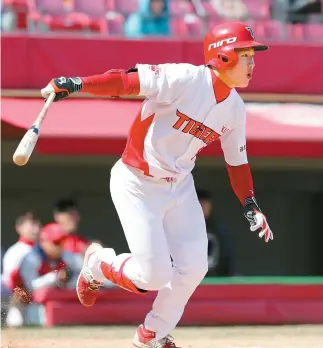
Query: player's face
pixel 68 221
pixel 157 6
pixel 52 250
pixel 29 230
pixel 241 74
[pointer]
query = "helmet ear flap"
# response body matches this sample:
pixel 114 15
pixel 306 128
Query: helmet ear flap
pixel 227 58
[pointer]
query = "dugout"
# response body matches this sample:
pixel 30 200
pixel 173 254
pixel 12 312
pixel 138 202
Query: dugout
pixel 72 159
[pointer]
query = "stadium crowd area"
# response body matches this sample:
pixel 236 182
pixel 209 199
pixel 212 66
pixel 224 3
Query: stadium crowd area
pixel 272 19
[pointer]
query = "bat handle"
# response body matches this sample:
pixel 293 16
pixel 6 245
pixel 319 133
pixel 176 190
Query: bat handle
pixel 43 112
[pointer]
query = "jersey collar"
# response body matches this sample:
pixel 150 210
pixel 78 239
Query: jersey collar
pixel 220 89
pixel 26 241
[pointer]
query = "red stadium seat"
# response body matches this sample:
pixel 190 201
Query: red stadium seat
pixel 68 15
pixel 55 14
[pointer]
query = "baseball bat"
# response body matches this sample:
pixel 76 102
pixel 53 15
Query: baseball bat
pixel 29 140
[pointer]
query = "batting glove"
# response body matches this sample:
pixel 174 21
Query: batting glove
pixel 257 219
pixel 63 87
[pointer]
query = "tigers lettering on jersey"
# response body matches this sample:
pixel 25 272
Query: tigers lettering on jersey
pixel 195 128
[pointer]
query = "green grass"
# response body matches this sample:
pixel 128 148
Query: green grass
pixel 258 280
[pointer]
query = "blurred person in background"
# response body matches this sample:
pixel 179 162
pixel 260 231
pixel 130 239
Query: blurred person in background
pixel 67 216
pixel 8 18
pixel 47 265
pixel 28 227
pixel 220 256
pixel 231 9
pixel 152 19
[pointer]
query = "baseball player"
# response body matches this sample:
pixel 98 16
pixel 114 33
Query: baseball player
pixel 28 228
pixel 187 107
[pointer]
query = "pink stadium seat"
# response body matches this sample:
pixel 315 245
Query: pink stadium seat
pixel 194 26
pixel 313 31
pixel 126 6
pixel 180 7
pixel 258 8
pixel 62 15
pixel 179 27
pixel 95 10
pixel 115 22
pixel 110 5
pixel 52 7
pixel 294 32
pixel 270 29
pixel 209 8
pixel 215 20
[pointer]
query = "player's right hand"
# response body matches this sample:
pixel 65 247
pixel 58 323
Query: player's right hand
pixel 62 86
pixel 257 220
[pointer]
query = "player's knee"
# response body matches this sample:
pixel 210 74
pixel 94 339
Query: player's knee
pixel 159 274
pixel 195 271
pixel 161 279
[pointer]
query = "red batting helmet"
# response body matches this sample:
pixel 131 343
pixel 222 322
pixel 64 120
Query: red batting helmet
pixel 221 41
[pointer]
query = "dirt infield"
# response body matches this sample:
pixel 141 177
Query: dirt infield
pixel 304 336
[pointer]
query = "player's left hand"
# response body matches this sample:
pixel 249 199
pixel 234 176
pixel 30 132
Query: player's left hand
pixel 257 220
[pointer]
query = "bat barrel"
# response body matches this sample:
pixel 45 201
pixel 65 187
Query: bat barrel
pixel 29 140
pixel 26 146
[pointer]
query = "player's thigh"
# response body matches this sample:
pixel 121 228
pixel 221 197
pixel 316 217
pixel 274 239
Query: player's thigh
pixel 186 234
pixel 141 209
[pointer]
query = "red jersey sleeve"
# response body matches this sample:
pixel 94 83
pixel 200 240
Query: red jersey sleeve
pixel 112 83
pixel 241 181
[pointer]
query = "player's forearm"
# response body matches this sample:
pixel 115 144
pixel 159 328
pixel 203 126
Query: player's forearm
pixel 47 280
pixel 241 181
pixel 112 83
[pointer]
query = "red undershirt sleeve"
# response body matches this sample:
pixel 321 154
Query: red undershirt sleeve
pixel 112 83
pixel 241 181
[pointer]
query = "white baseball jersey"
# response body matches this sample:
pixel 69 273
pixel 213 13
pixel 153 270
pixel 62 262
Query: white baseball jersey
pixel 180 117
pixel 12 260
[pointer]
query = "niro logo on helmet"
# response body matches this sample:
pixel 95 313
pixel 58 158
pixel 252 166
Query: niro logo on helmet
pixel 220 43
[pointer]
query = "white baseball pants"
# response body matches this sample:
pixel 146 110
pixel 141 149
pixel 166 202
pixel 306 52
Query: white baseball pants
pixel 161 220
